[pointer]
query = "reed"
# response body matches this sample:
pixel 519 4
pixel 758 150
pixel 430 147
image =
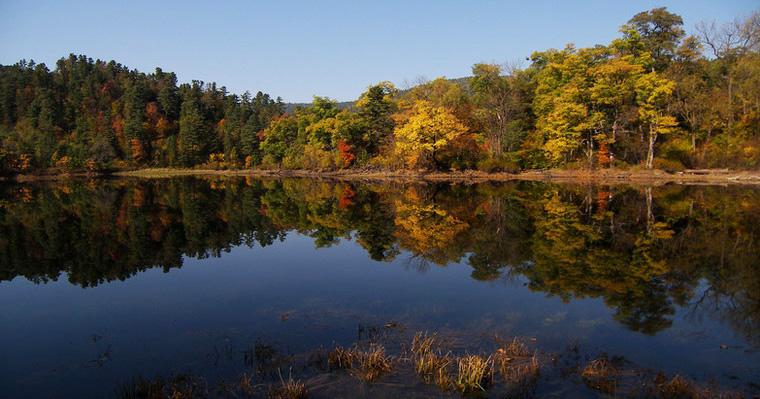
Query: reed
pixel 521 372
pixel 288 389
pixel 366 364
pixel 429 363
pixel 601 374
pixel 473 373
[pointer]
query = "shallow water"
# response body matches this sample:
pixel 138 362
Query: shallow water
pixel 102 281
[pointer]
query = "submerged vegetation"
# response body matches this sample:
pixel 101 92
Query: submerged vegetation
pixel 502 372
pixel 367 364
pixel 653 98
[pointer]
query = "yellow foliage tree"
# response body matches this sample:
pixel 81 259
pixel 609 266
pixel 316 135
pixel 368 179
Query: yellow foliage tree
pixel 427 131
pixel 652 95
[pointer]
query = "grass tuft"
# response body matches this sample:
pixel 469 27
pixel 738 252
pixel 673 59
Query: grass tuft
pixel 601 374
pixel 429 363
pixel 245 385
pixel 515 348
pixel 520 372
pixel 474 373
pixel 180 386
pixel 288 389
pixel 366 364
pixel 341 358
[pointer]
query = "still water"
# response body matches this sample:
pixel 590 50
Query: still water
pixel 105 281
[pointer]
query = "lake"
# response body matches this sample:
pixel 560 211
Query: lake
pixel 105 283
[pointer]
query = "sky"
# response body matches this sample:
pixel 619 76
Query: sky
pixel 297 49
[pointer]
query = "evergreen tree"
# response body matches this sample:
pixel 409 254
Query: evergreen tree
pixel 191 130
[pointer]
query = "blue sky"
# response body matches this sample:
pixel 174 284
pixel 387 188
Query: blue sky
pixel 295 49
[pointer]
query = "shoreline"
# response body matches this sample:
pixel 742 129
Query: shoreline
pixel 604 176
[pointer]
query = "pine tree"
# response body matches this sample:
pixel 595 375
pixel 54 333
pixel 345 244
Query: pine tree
pixel 191 130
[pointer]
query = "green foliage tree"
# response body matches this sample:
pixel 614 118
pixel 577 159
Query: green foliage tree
pixel 501 107
pixel 191 131
pixel 660 32
pixel 375 108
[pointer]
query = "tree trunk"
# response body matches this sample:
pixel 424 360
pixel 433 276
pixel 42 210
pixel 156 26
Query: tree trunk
pixel 496 145
pixel 730 104
pixel 615 128
pixel 590 151
pixel 650 152
pixel 650 213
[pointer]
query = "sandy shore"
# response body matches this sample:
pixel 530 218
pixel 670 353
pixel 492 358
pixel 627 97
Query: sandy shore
pixel 606 176
pixel 601 176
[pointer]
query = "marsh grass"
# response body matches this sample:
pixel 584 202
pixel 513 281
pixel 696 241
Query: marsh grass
pixel 601 374
pixel 516 365
pixel 684 388
pixel 678 387
pixel 245 385
pixel 429 362
pixel 423 343
pixel 434 368
pixel 474 373
pixel 288 389
pixel 519 371
pixel 366 364
pixel 180 386
pixel 340 358
pixel 373 363
pixel 515 348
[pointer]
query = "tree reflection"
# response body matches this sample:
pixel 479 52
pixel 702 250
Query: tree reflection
pixel 645 252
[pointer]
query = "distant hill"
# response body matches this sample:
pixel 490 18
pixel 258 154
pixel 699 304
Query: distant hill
pixel 290 107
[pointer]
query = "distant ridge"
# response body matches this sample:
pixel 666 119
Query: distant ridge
pixel 290 107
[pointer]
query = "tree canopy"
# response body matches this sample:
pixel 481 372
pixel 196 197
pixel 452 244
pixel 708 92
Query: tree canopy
pixel 654 97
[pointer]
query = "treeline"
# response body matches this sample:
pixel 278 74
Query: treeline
pixel 99 115
pixel 645 251
pixel 653 97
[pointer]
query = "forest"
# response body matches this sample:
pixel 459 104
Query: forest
pixel 653 98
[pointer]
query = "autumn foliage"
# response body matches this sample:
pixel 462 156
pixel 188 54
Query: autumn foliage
pixel 654 96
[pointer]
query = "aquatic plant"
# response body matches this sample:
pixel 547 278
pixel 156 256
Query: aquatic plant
pixel 521 373
pixel 245 385
pixel 601 374
pixel 474 373
pixel 288 389
pixel 515 348
pixel 366 364
pixel 178 386
pixel 429 362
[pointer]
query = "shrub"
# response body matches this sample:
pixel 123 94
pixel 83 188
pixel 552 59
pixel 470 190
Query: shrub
pixel 499 164
pixel 677 150
pixel 315 157
pixel 216 161
pixel 731 151
pixel 532 159
pixel 269 162
pixel 391 160
pixel 347 153
pixel 668 165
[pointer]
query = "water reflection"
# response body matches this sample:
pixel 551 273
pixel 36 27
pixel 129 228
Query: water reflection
pixel 644 251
